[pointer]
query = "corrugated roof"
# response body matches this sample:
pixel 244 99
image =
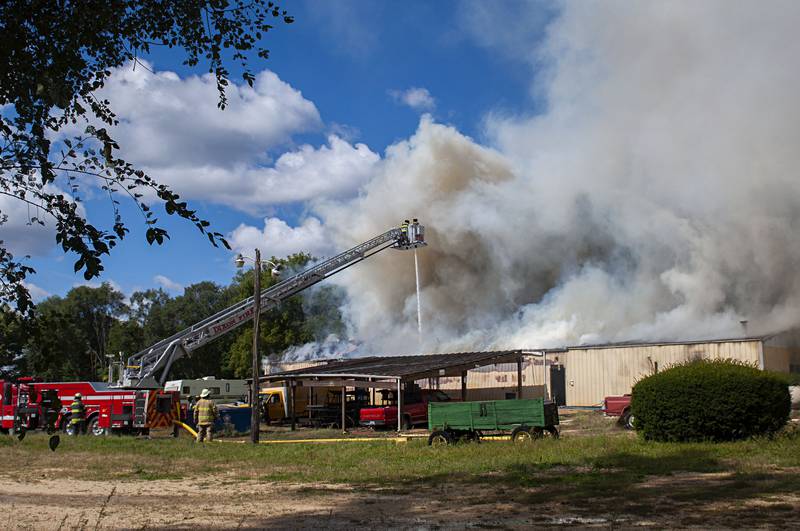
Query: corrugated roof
pixel 404 366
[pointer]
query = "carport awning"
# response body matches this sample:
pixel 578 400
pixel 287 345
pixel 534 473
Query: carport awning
pixel 406 368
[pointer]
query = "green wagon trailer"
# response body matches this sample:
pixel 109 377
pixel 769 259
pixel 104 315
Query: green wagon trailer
pixel 527 419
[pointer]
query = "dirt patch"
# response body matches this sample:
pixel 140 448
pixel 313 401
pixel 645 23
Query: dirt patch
pixel 216 502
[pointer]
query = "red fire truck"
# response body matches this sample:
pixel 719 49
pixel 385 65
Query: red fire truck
pixel 134 411
pixel 19 408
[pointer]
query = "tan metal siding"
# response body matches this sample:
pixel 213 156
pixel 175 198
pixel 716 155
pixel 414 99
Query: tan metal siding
pixel 594 373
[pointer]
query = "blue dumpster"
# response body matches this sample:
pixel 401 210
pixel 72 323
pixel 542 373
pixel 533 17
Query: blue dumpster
pixel 233 419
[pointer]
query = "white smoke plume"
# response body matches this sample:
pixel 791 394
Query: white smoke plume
pixel 331 348
pixel 656 198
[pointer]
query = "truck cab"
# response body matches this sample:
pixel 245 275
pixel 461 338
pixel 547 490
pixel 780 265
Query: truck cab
pixel 275 404
pixel 619 406
pixel 414 407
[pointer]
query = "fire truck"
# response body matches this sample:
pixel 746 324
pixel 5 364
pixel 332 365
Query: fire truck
pixel 138 402
pixel 19 406
pixel 119 410
pixel 107 409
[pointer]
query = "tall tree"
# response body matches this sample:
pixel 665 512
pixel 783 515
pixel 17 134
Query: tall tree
pixel 56 55
pixel 14 333
pixel 70 338
pixel 94 311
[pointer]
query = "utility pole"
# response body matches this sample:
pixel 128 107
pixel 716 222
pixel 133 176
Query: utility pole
pixel 255 419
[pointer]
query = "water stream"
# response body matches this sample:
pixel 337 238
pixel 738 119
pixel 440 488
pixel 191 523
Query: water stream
pixel 419 305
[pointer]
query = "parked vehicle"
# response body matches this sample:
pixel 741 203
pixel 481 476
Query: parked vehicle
pixel 329 414
pixel 275 405
pixel 619 406
pixel 526 419
pixel 19 406
pixel 22 408
pixel 414 408
pixel 107 409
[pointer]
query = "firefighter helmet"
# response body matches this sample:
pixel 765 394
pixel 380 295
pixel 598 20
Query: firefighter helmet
pixel 78 395
pixel 204 393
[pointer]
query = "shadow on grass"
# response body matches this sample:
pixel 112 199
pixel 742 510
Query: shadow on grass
pixel 685 488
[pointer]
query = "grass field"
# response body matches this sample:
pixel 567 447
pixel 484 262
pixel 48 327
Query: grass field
pixel 603 467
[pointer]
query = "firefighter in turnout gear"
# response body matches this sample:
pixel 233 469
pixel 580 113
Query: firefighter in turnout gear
pixel 77 418
pixel 404 228
pixel 205 413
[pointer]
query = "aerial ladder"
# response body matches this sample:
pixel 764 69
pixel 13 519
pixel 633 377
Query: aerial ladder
pixel 149 368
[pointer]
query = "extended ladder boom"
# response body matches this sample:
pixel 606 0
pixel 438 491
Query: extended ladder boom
pixel 150 367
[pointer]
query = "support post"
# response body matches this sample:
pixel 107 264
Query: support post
pixel 399 405
pixel 255 418
pixel 545 391
pixel 519 377
pixel 292 395
pixel 344 414
pixel 463 386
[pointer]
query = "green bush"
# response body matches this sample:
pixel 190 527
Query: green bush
pixel 710 400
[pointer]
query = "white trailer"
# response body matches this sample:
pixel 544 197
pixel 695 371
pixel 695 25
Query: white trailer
pixel 221 390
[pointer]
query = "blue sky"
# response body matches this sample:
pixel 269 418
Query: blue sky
pixel 588 171
pixel 353 62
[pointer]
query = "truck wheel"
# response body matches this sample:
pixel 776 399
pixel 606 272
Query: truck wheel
pixel 95 429
pixel 439 438
pixel 522 435
pixel 626 421
pixel 551 431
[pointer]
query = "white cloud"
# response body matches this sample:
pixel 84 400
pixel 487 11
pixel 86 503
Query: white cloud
pixel 167 283
pixel 23 236
pixel 171 127
pixel 167 121
pixel 278 239
pixel 333 171
pixel 417 98
pixel 98 283
pixel 37 293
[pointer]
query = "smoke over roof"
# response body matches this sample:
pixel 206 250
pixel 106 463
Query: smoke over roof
pixel 656 198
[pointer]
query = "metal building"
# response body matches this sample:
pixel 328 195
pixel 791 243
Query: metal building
pixel 583 375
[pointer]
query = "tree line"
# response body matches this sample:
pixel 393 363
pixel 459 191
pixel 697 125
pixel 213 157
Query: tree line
pixel 76 336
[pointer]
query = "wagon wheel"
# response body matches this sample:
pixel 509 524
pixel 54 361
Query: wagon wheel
pixel 469 437
pixel 439 438
pixel 537 432
pixel 523 435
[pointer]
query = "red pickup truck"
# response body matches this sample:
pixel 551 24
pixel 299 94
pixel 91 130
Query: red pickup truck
pixel 415 408
pixel 619 406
